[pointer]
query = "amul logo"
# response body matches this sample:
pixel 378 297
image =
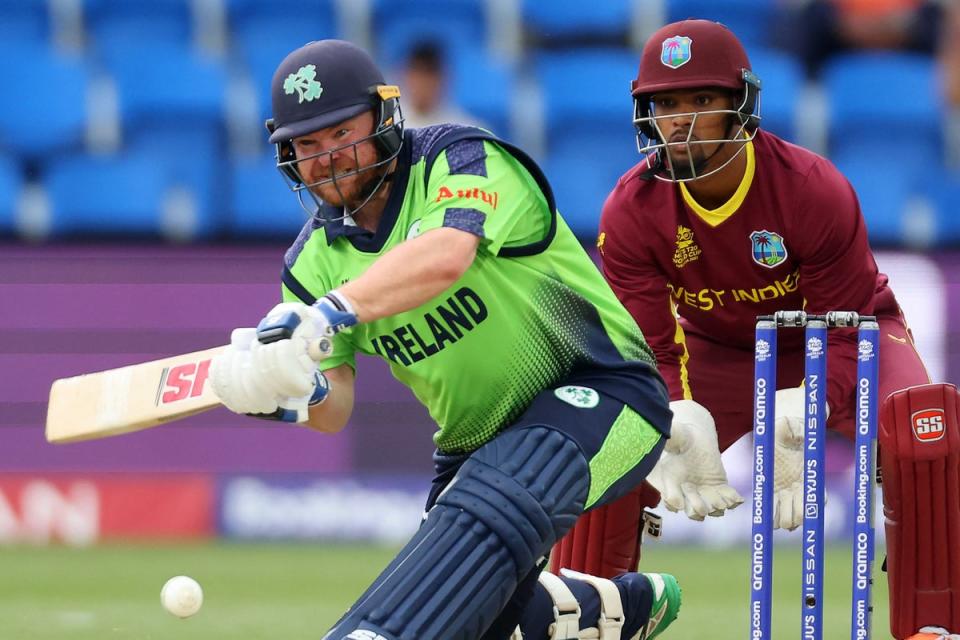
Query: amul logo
pixel 928 425
pixel 865 350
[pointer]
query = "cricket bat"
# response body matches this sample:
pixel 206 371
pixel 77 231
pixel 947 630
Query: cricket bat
pixel 139 396
pixel 109 403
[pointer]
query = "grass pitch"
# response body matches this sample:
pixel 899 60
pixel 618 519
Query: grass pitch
pixel 254 592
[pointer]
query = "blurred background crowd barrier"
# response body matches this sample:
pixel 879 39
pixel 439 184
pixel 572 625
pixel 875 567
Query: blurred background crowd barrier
pixel 141 215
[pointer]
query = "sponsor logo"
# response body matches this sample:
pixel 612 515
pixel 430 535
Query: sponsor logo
pixel 581 397
pixel 304 83
pixel 687 250
pixel 182 381
pixel 490 198
pixel 676 51
pixel 928 425
pixel 865 350
pixel 815 348
pixel 768 248
pixel 762 350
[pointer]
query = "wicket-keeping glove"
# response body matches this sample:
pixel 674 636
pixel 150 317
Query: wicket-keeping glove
pixel 788 459
pixel 690 475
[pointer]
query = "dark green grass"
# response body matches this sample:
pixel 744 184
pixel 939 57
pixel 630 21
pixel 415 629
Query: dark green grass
pixel 291 592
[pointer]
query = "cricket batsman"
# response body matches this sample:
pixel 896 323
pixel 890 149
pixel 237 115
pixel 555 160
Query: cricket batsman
pixel 440 250
pixel 721 222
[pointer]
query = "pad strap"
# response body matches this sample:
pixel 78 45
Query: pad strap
pixel 611 608
pixel 566 609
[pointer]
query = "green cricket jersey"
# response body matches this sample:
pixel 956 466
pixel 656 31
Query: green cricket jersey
pixel 532 312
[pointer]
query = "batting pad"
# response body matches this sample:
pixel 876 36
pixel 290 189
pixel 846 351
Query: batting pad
pixel 508 504
pixel 920 455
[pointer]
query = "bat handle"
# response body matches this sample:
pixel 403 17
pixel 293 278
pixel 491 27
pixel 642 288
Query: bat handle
pixel 320 349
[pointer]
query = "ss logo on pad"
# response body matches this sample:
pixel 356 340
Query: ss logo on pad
pixel 928 424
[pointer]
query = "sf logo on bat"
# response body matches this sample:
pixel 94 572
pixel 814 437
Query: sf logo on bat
pixel 182 381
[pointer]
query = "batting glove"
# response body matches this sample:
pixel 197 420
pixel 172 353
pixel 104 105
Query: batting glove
pixel 690 475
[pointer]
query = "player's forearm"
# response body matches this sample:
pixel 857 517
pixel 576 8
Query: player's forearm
pixel 411 273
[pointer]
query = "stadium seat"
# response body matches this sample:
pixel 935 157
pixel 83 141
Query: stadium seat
pixel 456 25
pixel 253 20
pixel 44 109
pixel 889 95
pixel 944 193
pixel 118 29
pixel 883 188
pixel 484 86
pixel 782 81
pixel 582 174
pixel 586 92
pixel 104 196
pixel 753 21
pixel 24 21
pixel 169 83
pixel 11 183
pixel 261 205
pixel 577 19
pixel 192 156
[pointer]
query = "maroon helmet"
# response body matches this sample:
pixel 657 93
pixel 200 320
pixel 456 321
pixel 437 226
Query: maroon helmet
pixel 693 54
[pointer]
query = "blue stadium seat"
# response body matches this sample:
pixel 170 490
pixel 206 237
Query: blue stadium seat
pixel 44 108
pixel 120 28
pixel 582 173
pixel 24 21
pixel 98 195
pixel 191 155
pixel 484 86
pixel 892 95
pixel 753 21
pixel 944 192
pixel 587 92
pixel 883 187
pixel 574 18
pixel 169 83
pixel 457 25
pixel 256 24
pixel 11 183
pixel 261 205
pixel 782 81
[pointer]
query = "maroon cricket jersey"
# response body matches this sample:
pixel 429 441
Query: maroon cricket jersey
pixel 791 237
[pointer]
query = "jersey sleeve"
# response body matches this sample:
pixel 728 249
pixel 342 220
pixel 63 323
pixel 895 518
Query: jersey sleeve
pixel 837 268
pixel 478 187
pixel 641 286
